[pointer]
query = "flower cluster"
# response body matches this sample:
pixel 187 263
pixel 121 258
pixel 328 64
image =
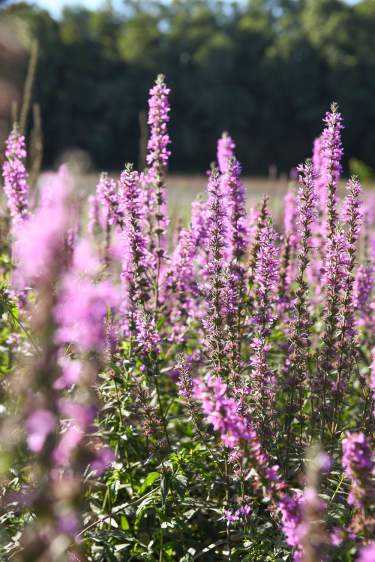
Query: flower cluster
pixel 158 118
pixel 359 465
pixel 15 177
pixel 221 411
pixel 205 361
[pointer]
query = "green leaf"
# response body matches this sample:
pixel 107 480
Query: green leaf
pixel 124 523
pixel 149 480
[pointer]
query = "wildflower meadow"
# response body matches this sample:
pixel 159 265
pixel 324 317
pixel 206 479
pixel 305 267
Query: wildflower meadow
pixel 204 392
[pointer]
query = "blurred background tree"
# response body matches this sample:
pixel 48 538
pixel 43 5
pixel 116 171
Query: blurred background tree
pixel 265 70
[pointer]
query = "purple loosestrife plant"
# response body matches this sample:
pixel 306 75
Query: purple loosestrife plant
pixel 214 286
pixel 332 153
pixel 346 337
pixel 234 198
pixel 335 274
pixel 15 177
pixel 299 340
pixel 235 209
pixel 45 232
pixel 157 160
pixel 224 414
pixel 358 462
pixel 262 377
pixel 261 222
pixel 328 172
pixel 276 333
pixel 221 411
pixel 136 258
pixel 107 192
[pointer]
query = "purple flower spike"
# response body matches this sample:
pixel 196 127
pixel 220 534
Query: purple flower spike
pixel 15 177
pixel 158 118
pixel 359 464
pixel 108 195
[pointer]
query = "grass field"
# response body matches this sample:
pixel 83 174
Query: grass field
pixel 183 189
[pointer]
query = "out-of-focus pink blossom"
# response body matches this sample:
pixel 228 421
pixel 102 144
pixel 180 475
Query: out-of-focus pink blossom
pixel 39 425
pixel 81 311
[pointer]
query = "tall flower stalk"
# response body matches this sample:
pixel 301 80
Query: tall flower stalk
pixel 235 207
pixel 136 259
pixel 336 258
pixel 157 161
pixel 214 287
pixel 299 341
pixel 346 337
pixel 16 177
pixel 332 153
pixel 262 377
pixel 358 461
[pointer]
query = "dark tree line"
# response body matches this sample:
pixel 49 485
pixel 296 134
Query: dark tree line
pixel 265 70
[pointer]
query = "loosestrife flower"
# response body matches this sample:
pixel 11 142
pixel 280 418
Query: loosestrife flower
pixel 15 177
pixel 158 118
pixel 107 192
pixel 301 322
pixel 359 464
pixel 265 278
pixel 93 214
pixel 234 206
pixel 265 283
pixel 185 380
pixel 328 174
pixel 214 286
pixel 136 264
pixel 332 154
pixel 222 412
pixel 335 274
pixel 225 151
pixel 157 159
pixel 147 335
pixel 234 199
pixel 353 215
